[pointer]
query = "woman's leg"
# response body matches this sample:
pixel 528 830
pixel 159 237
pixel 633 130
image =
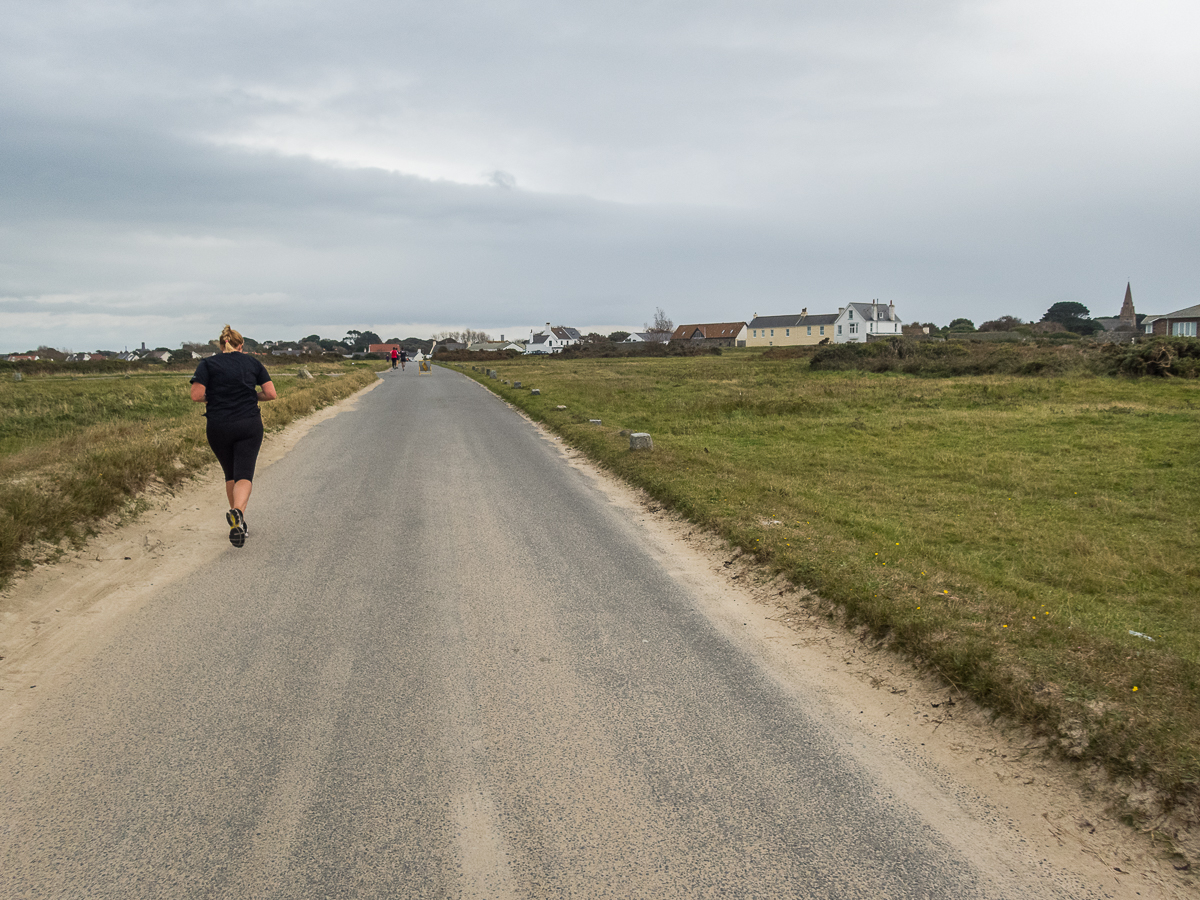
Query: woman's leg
pixel 239 494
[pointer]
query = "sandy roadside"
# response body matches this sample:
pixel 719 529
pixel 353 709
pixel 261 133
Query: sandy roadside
pixel 901 725
pixel 62 614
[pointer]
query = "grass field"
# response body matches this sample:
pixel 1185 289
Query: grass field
pixel 1009 532
pixel 75 449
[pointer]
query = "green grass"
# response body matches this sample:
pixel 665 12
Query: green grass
pixel 75 449
pixel 1007 531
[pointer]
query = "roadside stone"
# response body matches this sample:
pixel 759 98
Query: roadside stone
pixel 535 391
pixel 303 372
pixel 640 440
pixel 595 421
pixel 560 406
pixel 516 384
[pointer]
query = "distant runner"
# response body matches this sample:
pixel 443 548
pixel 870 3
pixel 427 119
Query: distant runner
pixel 232 385
pixel 403 358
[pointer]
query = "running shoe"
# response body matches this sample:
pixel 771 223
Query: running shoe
pixel 237 527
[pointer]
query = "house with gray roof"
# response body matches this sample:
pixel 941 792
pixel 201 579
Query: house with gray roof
pixel 553 340
pixel 790 330
pixel 858 323
pixel 1181 323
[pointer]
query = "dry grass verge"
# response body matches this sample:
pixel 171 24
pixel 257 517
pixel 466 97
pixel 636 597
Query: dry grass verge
pixel 74 450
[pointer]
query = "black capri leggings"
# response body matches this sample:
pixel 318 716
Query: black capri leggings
pixel 236 445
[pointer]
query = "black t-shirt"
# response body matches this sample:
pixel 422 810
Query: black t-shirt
pixel 231 382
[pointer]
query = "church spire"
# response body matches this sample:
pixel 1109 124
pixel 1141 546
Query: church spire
pixel 1127 313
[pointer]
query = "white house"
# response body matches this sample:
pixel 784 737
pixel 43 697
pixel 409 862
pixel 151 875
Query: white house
pixel 856 323
pixel 648 337
pixel 552 340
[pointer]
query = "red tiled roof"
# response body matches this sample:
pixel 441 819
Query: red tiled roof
pixel 709 330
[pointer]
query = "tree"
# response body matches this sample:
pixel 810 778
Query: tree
pixel 359 341
pixel 311 339
pixel 1066 310
pixel 661 323
pixel 1073 316
pixel 1004 323
pixel 617 336
pixel 959 326
pixel 466 336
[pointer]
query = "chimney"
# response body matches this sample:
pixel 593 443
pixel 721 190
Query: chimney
pixel 841 309
pixel 502 339
pixel 804 312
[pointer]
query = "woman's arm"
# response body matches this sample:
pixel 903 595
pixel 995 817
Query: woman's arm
pixel 198 392
pixel 267 392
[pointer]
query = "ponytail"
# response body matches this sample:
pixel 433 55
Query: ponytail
pixel 231 339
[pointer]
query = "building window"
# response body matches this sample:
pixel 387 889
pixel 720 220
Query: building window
pixel 756 332
pixel 854 328
pixel 822 329
pixel 851 316
pixel 1183 329
pixel 839 329
pixel 810 329
pixel 772 332
pixel 787 332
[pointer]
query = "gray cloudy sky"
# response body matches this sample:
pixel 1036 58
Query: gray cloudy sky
pixel 298 167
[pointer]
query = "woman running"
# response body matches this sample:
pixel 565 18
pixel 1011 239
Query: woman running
pixel 232 385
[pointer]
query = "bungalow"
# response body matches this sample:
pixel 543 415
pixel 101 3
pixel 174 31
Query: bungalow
pixel 860 322
pixel 553 340
pixel 715 334
pixel 1181 323
pixel 496 346
pixel 385 349
pixel 790 330
pixel 647 337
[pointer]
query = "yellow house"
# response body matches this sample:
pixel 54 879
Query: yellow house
pixel 783 331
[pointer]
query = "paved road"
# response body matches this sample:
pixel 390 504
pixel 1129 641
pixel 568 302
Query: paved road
pixel 443 666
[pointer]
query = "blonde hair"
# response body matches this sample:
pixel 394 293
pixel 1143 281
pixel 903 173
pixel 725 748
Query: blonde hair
pixel 230 338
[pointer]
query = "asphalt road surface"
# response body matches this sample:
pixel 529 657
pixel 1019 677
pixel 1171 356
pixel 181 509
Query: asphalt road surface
pixel 443 666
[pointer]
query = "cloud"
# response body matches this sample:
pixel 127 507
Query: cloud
pixel 312 166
